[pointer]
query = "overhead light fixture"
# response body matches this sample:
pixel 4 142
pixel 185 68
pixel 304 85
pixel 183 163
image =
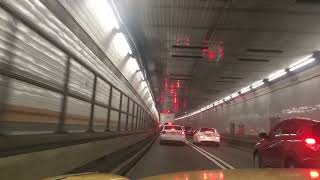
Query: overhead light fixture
pixel 234 95
pixel 216 103
pixel 132 65
pixel 257 84
pixel 121 44
pixel 227 98
pixel 220 101
pixel 301 63
pixel 245 90
pixel 103 14
pixel 277 74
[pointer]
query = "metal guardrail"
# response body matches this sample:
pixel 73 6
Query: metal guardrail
pixel 14 145
pixel 142 116
pixel 247 142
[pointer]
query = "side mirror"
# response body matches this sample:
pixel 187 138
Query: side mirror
pixel 263 135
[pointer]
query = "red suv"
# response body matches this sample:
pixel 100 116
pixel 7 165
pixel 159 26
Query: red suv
pixel 292 143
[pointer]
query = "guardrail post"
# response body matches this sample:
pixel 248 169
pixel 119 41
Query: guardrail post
pixel 137 117
pixel 144 117
pixel 64 102
pixel 133 114
pixel 128 103
pixel 109 109
pixel 93 99
pixel 120 112
pixel 140 119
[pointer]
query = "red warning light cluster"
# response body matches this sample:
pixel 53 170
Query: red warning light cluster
pixel 170 96
pixel 214 52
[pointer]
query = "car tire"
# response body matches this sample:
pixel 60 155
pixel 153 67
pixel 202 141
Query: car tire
pixel 257 161
pixel 161 142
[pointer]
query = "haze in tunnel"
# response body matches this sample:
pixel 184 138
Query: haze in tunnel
pixel 142 88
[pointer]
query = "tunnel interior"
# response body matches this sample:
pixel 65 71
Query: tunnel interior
pixel 105 86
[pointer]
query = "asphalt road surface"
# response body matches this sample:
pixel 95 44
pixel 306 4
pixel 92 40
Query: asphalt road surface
pixel 161 159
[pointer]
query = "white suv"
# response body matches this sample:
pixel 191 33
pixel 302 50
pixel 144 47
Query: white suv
pixel 172 133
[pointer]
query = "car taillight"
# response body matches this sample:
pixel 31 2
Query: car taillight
pixel 314 174
pixel 311 143
pixel 182 133
pixel 163 132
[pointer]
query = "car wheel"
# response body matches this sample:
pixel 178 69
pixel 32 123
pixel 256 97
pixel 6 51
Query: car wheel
pixel 257 161
pixel 161 142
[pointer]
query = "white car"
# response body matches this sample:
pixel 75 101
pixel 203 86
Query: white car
pixel 172 133
pixel 207 135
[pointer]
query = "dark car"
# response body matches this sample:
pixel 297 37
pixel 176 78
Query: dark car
pixel 189 131
pixel 292 143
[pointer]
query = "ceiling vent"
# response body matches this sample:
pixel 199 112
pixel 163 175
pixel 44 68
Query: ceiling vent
pixel 275 51
pixel 228 77
pixel 253 60
pixel 308 1
pixel 226 81
pixel 186 56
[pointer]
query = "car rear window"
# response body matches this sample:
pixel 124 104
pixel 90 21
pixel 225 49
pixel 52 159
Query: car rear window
pixel 207 129
pixel 172 127
pixel 316 130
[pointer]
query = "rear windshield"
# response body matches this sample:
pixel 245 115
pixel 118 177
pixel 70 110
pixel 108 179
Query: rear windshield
pixel 207 129
pixel 316 130
pixel 172 127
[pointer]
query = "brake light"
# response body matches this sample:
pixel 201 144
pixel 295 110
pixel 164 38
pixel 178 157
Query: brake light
pixel 311 143
pixel 182 133
pixel 314 174
pixel 172 129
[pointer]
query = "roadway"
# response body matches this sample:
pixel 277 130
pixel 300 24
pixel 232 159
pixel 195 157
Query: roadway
pixel 173 158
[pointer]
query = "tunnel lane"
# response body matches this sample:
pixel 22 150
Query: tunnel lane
pixel 161 159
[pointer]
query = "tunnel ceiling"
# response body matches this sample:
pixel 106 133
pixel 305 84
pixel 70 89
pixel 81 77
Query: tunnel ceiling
pixel 206 49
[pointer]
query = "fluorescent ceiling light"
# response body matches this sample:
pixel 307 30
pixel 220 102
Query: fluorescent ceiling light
pixel 132 65
pixel 257 84
pixel 121 44
pixel 210 106
pixel 103 14
pixel 234 95
pixel 301 63
pixel 216 103
pixel 227 98
pixel 277 74
pixel 221 101
pixel 244 90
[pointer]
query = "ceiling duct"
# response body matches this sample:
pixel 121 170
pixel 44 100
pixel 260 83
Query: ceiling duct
pixel 186 56
pixel 265 51
pixel 253 60
pixel 227 77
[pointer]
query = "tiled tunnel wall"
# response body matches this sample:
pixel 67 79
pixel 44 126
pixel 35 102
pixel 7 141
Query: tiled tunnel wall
pixel 258 111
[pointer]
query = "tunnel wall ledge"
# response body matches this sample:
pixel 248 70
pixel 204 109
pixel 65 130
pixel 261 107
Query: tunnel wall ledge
pixel 53 162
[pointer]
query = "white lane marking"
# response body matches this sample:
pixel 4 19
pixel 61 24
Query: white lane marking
pixel 211 155
pixel 211 159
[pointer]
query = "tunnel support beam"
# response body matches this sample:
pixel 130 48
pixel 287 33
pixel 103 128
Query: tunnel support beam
pixel 93 98
pixel 64 101
pixel 133 114
pixel 120 112
pixel 109 109
pixel 128 108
